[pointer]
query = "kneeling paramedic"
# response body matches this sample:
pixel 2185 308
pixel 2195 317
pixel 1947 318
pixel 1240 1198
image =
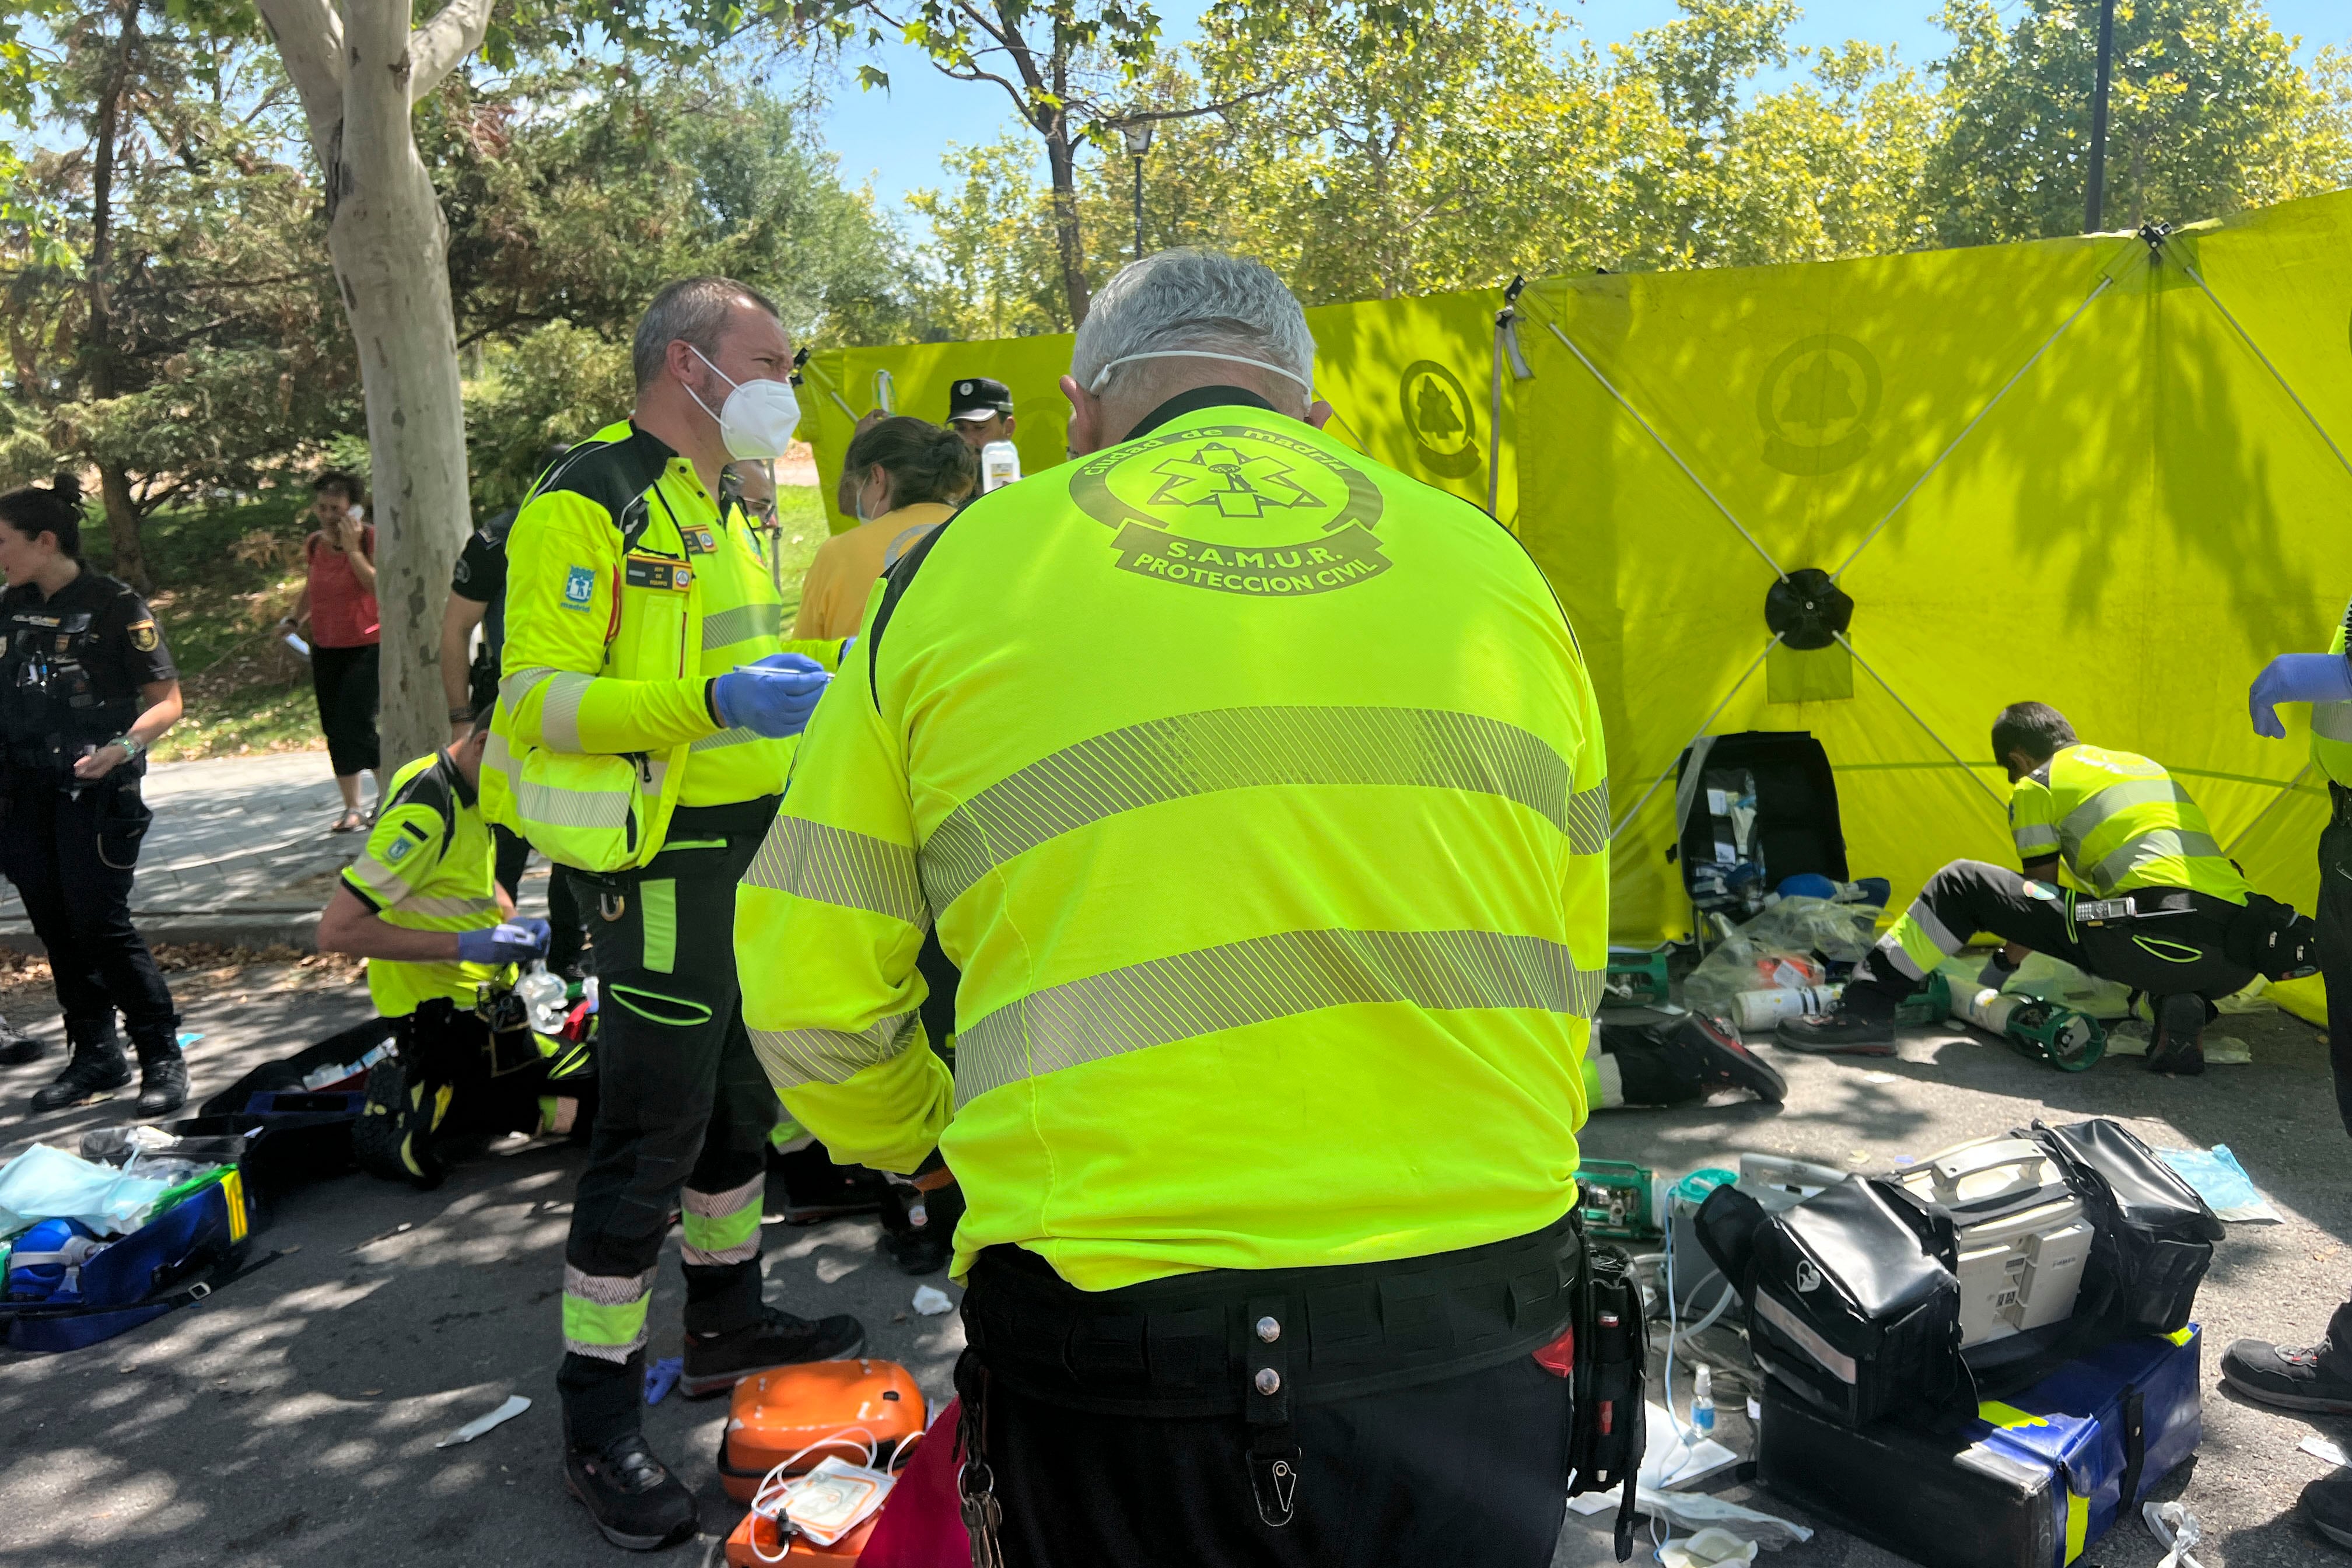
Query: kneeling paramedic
pixel 642 739
pixel 2166 913
pixel 1279 942
pixel 423 906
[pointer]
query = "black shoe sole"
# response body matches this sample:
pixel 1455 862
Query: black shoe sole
pixel 2341 1537
pixel 711 1387
pixel 2303 1402
pixel 621 1539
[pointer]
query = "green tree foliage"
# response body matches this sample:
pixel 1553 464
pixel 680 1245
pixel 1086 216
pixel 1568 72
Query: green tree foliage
pixel 2207 113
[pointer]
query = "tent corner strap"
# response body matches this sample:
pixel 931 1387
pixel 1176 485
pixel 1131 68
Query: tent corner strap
pixel 1808 609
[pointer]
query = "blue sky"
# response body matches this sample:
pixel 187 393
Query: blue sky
pixel 896 138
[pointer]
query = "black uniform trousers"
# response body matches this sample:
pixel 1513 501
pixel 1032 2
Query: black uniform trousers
pixel 1464 1464
pixel 564 911
pixel 2163 955
pixel 2336 941
pixel 70 854
pixel 684 1109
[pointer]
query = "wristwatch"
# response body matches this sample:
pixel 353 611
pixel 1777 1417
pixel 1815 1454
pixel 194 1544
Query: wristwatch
pixel 459 715
pixel 131 743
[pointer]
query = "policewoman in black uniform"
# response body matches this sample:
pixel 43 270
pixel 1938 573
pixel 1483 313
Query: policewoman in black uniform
pixel 86 687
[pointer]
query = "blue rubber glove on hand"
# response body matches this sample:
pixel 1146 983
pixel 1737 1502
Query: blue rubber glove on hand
pixel 2298 678
pixel 773 697
pixel 515 942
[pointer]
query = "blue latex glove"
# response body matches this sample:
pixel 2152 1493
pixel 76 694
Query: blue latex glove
pixel 2298 678
pixel 661 1376
pixel 773 697
pixel 515 942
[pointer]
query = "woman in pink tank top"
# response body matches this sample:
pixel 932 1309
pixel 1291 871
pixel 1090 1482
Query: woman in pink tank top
pixel 339 600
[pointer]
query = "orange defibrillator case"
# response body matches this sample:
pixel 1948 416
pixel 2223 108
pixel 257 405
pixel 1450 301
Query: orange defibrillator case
pixel 759 1543
pixel 821 1408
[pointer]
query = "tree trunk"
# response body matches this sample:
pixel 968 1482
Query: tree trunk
pixel 390 245
pixel 1063 163
pixel 123 527
pixel 114 484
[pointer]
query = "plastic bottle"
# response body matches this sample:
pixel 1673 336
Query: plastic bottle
pixel 542 994
pixel 1000 465
pixel 1703 1400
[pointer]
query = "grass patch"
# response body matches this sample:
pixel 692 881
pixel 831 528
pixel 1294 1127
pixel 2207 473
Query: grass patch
pixel 224 576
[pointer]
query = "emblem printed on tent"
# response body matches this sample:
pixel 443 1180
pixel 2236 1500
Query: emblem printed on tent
pixel 1225 487
pixel 1815 403
pixel 1443 419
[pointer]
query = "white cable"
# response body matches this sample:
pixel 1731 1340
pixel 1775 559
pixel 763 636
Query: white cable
pixel 2176 1530
pixel 768 1497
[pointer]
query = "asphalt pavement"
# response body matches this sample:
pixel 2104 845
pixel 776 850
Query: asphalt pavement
pixel 290 1420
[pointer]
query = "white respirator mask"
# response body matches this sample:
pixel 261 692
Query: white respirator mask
pixel 1103 375
pixel 757 418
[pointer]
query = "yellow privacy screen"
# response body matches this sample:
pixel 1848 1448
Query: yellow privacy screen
pixel 2100 472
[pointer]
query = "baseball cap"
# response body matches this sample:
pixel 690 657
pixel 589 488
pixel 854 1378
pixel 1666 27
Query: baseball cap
pixel 978 397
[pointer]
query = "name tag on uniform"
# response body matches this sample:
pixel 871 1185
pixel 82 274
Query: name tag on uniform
pixel 701 540
pixel 664 577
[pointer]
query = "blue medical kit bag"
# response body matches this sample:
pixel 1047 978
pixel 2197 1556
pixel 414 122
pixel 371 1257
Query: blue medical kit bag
pixel 2028 1482
pixel 181 1256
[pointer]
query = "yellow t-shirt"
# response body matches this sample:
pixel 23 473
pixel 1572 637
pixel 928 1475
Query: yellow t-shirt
pixel 833 596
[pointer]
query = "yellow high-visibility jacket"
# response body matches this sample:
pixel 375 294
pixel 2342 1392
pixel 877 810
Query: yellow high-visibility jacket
pixel 1258 791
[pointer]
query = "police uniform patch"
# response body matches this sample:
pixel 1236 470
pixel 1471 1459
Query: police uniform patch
pixel 464 572
pixel 579 588
pixel 143 636
pixel 701 540
pixel 397 850
pixel 662 576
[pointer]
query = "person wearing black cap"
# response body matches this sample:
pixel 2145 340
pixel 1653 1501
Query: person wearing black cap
pixel 980 411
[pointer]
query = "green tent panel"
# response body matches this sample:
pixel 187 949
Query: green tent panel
pixel 2071 471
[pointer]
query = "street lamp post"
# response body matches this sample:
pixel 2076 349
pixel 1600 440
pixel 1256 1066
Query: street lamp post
pixel 1139 143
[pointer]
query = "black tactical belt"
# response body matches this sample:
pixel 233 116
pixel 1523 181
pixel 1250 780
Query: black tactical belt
pixel 1250 1340
pixel 2340 799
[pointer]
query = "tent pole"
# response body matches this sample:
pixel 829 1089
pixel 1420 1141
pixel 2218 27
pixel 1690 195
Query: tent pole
pixel 1553 328
pixel 1504 346
pixel 2285 790
pixel 1969 428
pixel 2248 337
pixel 1744 675
pixel 1956 756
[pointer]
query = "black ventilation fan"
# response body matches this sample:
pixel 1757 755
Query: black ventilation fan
pixel 1808 609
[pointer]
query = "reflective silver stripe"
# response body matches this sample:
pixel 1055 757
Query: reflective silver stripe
pixel 1899 955
pixel 742 623
pixel 2035 840
pixel 2085 818
pixel 2332 720
pixel 1933 928
pixel 707 1258
pixel 1213 989
pixel 835 866
pixel 559 716
pixel 725 738
pixel 385 879
pixel 516 685
pixel 1243 748
pixel 721 1205
pixel 1835 1362
pixel 450 907
pixel 2164 843
pixel 555 807
pixel 607 1289
pixel 794 1057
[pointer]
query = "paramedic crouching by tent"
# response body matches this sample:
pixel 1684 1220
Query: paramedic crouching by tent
pixel 1279 942
pixel 2124 830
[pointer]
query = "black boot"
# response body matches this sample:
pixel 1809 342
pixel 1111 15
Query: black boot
pixel 925 1248
pixel 715 1363
pixel 2328 1503
pixel 95 1066
pixel 2177 1041
pixel 2296 1377
pixel 816 1189
pixel 1688 1060
pixel 162 1074
pixel 630 1494
pixel 16 1047
pixel 1863 1025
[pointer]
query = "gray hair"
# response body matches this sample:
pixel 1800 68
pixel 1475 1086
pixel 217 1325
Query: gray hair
pixel 692 311
pixel 1188 299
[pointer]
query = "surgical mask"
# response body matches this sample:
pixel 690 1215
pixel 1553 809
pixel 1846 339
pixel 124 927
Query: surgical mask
pixel 1103 375
pixel 757 418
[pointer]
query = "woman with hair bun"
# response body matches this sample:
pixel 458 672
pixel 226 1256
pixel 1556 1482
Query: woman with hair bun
pixel 86 687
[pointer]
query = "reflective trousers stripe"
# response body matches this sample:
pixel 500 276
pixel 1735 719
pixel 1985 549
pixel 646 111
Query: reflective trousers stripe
pixel 835 865
pixel 1213 989
pixel 1222 749
pixel 723 1227
pixel 1919 941
pixel 604 1315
